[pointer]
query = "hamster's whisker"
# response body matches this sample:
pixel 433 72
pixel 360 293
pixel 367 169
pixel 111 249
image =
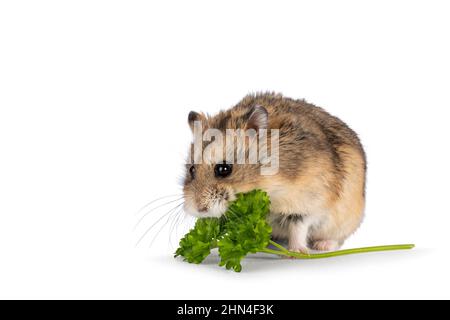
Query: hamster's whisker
pixel 172 225
pixel 170 216
pixel 234 213
pixel 153 209
pixel 157 199
pixel 187 223
pixel 175 221
pixel 157 221
pixel 178 220
pixel 180 197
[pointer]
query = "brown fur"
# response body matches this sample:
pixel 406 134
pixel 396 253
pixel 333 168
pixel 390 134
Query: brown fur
pixel 322 168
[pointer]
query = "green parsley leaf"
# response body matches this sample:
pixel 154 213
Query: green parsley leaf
pixel 246 229
pixel 196 245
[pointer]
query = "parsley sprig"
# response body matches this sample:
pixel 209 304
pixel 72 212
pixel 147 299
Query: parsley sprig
pixel 243 230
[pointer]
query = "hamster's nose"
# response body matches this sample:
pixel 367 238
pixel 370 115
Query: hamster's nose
pixel 202 209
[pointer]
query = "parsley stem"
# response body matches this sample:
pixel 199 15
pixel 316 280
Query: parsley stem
pixel 330 254
pixel 279 246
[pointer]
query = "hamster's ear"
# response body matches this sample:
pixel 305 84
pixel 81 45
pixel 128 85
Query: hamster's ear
pixel 258 119
pixel 194 116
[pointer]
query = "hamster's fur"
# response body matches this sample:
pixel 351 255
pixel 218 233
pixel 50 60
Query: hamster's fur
pixel 317 196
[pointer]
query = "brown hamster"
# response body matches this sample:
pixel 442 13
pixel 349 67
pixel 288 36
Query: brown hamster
pixel 318 193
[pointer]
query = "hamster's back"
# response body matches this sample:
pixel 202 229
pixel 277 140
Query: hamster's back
pixel 301 117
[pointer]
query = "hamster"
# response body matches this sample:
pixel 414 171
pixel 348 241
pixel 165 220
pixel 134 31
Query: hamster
pixel 318 193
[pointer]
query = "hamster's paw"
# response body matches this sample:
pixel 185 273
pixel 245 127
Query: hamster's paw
pixel 299 248
pixel 326 245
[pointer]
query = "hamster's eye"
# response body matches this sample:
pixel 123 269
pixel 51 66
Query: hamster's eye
pixel 223 170
pixel 192 172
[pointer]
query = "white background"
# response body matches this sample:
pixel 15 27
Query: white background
pixel 94 97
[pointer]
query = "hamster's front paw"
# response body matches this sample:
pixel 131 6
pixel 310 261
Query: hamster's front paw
pixel 299 248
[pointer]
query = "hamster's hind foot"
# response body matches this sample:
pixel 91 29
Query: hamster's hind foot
pixel 326 245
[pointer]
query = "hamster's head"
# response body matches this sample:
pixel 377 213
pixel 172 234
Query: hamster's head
pixel 213 178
